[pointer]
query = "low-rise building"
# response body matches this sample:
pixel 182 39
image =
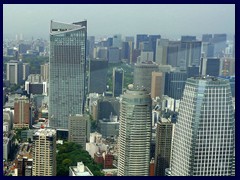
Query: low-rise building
pixel 79 170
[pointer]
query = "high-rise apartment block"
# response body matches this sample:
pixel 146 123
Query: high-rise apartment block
pixel 67 71
pixel 134 133
pixel 203 143
pixel 44 153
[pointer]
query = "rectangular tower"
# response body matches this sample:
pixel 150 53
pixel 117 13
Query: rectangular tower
pixel 67 72
pixel 134 133
pixel 44 153
pixel 21 113
pixel 118 79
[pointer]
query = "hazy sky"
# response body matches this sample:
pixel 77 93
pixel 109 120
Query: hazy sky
pixel 130 19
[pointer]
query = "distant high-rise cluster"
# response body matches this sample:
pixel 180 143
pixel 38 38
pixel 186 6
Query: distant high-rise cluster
pixel 139 106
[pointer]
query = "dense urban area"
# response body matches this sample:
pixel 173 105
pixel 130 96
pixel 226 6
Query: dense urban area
pixel 144 105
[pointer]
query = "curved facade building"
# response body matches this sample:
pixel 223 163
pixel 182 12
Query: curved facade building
pixel 203 143
pixel 143 74
pixel 67 72
pixel 134 134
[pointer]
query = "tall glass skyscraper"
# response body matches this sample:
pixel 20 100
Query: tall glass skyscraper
pixel 134 133
pixel 203 143
pixel 67 72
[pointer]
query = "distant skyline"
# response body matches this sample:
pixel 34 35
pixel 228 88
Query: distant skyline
pixel 168 20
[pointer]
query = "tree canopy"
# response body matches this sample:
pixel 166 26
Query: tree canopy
pixel 69 154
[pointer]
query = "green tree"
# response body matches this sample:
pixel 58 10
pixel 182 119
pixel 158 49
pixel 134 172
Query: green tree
pixel 69 154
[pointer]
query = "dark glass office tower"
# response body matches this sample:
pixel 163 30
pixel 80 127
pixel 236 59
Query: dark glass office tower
pixel 98 76
pixel 67 77
pixel 175 83
pixel 118 77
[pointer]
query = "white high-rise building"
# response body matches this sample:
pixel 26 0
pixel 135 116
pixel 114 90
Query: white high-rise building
pixel 44 153
pixel 203 143
pixel 134 133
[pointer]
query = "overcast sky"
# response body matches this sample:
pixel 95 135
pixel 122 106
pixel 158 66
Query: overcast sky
pixel 131 19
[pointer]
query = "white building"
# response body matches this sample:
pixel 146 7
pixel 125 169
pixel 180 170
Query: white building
pixel 203 142
pixel 79 170
pixel 134 133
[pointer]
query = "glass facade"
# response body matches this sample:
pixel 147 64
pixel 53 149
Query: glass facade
pixel 67 72
pixel 203 142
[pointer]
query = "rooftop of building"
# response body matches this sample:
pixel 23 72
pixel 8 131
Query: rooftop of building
pixel 209 79
pixel 45 132
pixel 80 170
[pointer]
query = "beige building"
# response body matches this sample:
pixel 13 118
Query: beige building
pixel 157 84
pixel 79 129
pixel 45 71
pixel 44 153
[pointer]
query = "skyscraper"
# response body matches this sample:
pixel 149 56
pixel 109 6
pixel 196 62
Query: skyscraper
pixel 174 84
pixel 44 153
pixel 26 71
pixel 161 51
pixel 134 133
pixel 118 76
pixel 98 76
pixel 114 55
pixel 157 84
pixel 45 71
pixel 173 53
pixel 152 43
pixel 163 146
pixel 141 38
pixel 15 72
pixel 220 43
pixel 67 72
pixel 203 143
pixel 210 66
pixel 190 52
pixel 117 40
pixel 142 75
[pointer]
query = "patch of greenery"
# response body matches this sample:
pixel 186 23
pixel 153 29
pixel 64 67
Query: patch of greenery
pixel 128 74
pixel 69 154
